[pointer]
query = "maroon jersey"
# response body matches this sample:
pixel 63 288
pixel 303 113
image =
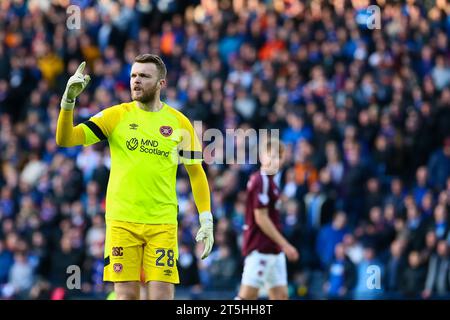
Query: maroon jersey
pixel 262 192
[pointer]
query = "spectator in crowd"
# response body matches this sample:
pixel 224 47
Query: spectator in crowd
pixel 318 207
pixel 397 194
pixel 370 276
pixel 421 186
pixel 439 165
pixel 376 230
pixel 334 163
pixel 39 255
pixel 415 227
pixel 374 196
pixel 353 248
pixel 437 282
pixel 297 130
pixel 341 275
pixel 6 262
pixel 430 246
pixel 329 236
pixel 65 255
pixel 439 223
pixel 188 269
pixel 223 269
pixel 353 183
pixel 306 173
pixel 396 263
pixel 21 276
pixel 413 276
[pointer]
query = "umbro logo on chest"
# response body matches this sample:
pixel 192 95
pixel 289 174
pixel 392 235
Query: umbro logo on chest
pixel 133 126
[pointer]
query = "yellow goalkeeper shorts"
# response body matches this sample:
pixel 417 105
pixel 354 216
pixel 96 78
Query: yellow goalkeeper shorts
pixel 131 247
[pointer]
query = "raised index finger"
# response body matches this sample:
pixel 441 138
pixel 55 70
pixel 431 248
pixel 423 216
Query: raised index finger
pixel 81 67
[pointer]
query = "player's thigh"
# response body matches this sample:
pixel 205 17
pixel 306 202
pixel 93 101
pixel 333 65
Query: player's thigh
pixel 161 253
pixel 123 252
pixel 277 277
pixel 248 292
pixel 278 293
pixel 128 290
pixel 255 270
pixel 158 290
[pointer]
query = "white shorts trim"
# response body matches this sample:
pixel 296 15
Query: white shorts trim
pixel 264 270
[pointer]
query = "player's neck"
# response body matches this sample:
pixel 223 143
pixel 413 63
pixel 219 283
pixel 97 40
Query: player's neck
pixel 151 106
pixel 267 171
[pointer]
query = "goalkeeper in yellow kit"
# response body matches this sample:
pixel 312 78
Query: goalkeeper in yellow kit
pixel 147 139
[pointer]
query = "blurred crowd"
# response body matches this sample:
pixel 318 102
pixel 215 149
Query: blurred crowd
pixel 365 115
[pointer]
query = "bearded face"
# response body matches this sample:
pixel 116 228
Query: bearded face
pixel 144 94
pixel 144 82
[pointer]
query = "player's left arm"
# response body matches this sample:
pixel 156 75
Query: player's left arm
pixel 200 187
pixel 191 157
pixel 200 190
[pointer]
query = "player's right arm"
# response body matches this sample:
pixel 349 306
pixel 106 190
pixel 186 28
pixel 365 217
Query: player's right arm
pixel 66 134
pixel 264 222
pixel 258 189
pixel 97 128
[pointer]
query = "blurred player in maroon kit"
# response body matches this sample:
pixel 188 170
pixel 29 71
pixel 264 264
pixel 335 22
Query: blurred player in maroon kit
pixel 264 247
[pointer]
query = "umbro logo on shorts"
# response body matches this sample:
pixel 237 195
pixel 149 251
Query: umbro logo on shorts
pixel 168 272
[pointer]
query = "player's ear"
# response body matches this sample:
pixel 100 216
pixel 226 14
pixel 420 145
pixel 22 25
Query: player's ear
pixel 162 83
